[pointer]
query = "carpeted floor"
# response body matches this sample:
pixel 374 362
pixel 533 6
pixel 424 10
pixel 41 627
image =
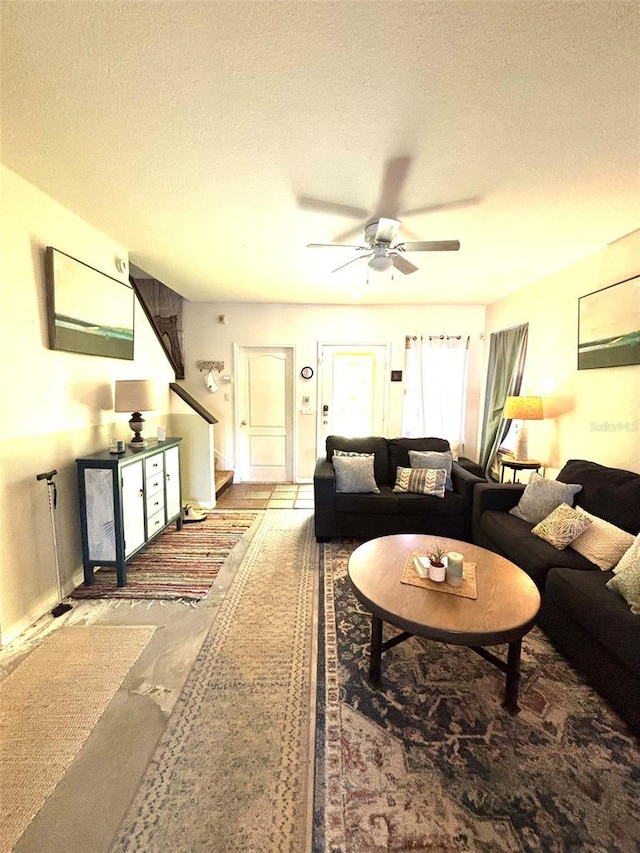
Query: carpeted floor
pixel 431 762
pixel 233 770
pixel 177 564
pixel 49 706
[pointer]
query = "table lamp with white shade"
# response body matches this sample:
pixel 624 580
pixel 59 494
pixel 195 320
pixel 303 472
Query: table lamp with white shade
pixel 523 409
pixel 136 396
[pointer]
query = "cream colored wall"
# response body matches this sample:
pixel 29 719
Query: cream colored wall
pixel 56 405
pixel 591 414
pixel 303 327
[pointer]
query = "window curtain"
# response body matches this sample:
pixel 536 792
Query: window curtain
pixel 507 352
pixel 435 387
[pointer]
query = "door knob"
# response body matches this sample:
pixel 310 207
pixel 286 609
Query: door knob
pixel 243 423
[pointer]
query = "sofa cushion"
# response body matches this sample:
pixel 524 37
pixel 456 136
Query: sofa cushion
pixel 609 493
pixel 384 503
pixel 627 584
pixel 354 474
pixel 433 459
pixel 421 481
pixel 603 543
pixel 586 600
pixel 370 444
pixel 399 452
pixel 512 537
pixel 542 496
pixel 452 504
pixel 562 526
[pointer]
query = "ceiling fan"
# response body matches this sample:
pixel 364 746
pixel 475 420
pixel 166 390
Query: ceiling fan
pixel 381 250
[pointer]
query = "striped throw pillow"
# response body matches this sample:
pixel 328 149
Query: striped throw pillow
pixel 421 481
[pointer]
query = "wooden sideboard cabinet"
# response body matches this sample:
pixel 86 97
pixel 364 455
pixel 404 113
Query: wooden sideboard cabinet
pixel 125 500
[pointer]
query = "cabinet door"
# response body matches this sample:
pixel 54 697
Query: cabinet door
pixel 132 507
pixel 172 481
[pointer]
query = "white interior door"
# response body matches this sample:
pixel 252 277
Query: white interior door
pixel 265 414
pixel 352 388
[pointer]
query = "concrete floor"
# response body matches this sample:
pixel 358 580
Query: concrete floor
pixel 84 812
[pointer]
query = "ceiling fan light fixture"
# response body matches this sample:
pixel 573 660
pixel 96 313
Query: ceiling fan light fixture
pixel 380 263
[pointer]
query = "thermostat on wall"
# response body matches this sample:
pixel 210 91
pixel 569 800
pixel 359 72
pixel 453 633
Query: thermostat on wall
pixel 306 372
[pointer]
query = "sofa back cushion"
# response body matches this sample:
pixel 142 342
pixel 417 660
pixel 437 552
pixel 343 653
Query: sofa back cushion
pixel 399 452
pixel 368 444
pixel 609 493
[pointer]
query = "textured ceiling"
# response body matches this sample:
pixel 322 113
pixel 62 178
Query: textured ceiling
pixel 192 133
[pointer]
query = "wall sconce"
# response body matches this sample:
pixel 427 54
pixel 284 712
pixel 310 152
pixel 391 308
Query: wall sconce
pixel 208 367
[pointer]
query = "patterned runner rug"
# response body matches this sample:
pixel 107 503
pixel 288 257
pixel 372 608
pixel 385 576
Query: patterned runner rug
pixel 431 762
pixel 233 771
pixel 48 706
pixel 177 564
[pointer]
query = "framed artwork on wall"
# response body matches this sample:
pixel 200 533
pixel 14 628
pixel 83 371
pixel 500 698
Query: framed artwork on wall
pixel 88 311
pixel 609 326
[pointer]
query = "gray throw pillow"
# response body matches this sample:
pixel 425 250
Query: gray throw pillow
pixel 541 497
pixel 354 474
pixel 433 459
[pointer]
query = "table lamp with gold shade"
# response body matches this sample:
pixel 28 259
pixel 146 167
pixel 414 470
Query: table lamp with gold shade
pixel 136 396
pixel 522 409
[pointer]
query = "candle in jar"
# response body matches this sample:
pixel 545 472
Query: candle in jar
pixel 454 568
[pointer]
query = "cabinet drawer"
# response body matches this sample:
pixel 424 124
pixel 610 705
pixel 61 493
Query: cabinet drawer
pixel 155 503
pixel 154 465
pixel 154 484
pixel 155 523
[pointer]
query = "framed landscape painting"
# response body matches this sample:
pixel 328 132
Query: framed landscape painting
pixel 609 326
pixel 88 311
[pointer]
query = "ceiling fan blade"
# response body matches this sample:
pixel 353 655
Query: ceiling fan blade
pixel 403 264
pixel 395 175
pixel 444 205
pixel 429 246
pixel 335 246
pixel 353 260
pixel 321 206
pixel 386 230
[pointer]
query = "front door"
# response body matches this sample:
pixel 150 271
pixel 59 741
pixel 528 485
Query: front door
pixel 352 390
pixel 264 414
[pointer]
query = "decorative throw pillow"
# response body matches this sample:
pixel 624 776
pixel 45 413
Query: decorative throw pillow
pixel 350 453
pixel 562 526
pixel 630 558
pixel 626 583
pixel 541 497
pixel 354 474
pixel 433 459
pixel 603 543
pixel 421 481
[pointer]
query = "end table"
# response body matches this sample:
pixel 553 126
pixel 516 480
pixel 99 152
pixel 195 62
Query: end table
pixel 519 465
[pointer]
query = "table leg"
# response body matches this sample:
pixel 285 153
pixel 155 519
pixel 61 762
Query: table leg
pixel 375 651
pixel 513 678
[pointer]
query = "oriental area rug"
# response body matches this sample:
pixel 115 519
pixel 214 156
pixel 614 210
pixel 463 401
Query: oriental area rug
pixel 177 564
pixel 234 768
pixel 430 761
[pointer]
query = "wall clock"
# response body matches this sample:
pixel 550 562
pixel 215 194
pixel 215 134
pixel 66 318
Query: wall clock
pixel 306 372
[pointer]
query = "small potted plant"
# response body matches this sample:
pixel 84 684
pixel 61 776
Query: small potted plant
pixel 437 568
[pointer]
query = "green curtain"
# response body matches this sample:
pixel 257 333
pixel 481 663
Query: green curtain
pixel 507 352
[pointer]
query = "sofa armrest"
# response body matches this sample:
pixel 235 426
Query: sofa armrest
pixel 494 496
pixel 324 491
pixel 464 482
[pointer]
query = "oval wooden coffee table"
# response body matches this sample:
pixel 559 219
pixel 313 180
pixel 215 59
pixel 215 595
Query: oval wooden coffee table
pixel 504 610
